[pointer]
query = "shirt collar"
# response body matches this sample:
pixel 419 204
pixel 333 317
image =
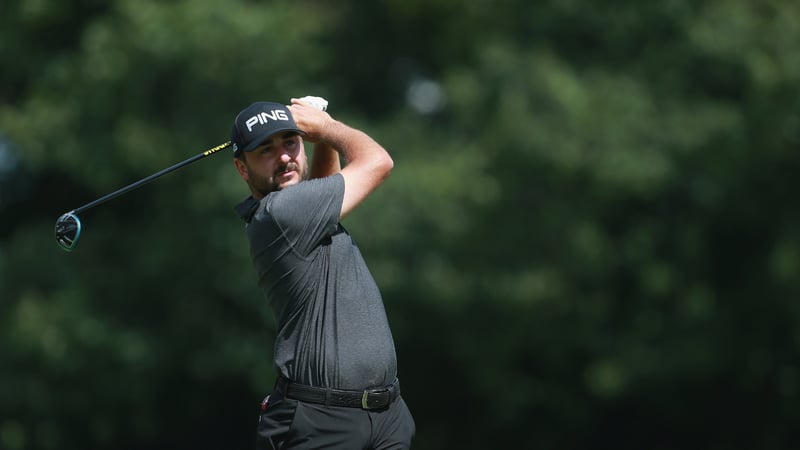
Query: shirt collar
pixel 247 208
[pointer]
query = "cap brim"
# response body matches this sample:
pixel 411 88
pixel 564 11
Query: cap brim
pixel 255 143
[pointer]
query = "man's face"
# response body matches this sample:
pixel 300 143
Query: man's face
pixel 277 163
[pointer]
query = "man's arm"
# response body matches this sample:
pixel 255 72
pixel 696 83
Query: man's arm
pixel 367 164
pixel 325 161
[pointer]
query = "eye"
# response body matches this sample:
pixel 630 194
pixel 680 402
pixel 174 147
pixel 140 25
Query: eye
pixel 290 143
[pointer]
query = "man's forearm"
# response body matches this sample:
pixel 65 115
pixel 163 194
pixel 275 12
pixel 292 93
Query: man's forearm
pixel 325 161
pixel 353 145
pixel 366 163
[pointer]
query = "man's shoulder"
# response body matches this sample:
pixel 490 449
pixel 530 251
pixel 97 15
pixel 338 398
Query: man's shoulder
pixel 302 198
pixel 307 190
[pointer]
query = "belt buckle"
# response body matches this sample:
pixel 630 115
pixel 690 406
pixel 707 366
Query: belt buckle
pixel 366 394
pixel 364 400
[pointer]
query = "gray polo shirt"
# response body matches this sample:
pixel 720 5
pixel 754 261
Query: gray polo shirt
pixel 332 326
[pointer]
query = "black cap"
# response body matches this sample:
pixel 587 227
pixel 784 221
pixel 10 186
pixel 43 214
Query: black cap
pixel 256 123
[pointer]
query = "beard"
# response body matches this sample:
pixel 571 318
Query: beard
pixel 266 184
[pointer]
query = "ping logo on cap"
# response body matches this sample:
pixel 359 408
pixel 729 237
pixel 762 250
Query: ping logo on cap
pixel 264 117
pixel 256 123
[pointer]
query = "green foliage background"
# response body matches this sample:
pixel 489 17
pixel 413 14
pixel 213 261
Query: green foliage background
pixel 589 239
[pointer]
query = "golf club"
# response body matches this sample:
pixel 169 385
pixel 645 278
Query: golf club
pixel 68 226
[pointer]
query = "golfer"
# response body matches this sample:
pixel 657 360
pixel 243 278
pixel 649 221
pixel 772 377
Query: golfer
pixel 337 385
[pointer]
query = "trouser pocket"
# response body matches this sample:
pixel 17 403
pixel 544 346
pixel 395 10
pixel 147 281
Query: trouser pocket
pixel 275 421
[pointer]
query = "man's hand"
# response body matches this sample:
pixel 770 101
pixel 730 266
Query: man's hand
pixel 310 116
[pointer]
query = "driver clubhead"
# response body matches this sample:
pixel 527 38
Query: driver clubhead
pixel 68 231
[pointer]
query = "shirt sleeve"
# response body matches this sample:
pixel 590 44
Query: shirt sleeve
pixel 308 213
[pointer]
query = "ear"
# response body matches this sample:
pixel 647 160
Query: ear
pixel 241 167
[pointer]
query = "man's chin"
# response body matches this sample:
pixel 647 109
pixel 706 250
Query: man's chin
pixel 288 178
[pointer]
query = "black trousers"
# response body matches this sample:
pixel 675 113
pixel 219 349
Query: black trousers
pixel 286 423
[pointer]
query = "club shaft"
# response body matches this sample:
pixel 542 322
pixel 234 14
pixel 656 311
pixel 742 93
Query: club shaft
pixel 150 178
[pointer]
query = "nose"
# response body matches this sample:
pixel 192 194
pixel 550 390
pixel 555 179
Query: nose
pixel 287 153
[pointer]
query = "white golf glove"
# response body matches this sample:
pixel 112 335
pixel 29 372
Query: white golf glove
pixel 317 102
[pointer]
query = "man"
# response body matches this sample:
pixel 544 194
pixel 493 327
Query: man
pixel 337 381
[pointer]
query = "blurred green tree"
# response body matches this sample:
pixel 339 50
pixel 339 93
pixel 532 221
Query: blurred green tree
pixel 589 239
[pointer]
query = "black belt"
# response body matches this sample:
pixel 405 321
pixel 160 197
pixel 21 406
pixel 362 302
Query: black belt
pixel 378 398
